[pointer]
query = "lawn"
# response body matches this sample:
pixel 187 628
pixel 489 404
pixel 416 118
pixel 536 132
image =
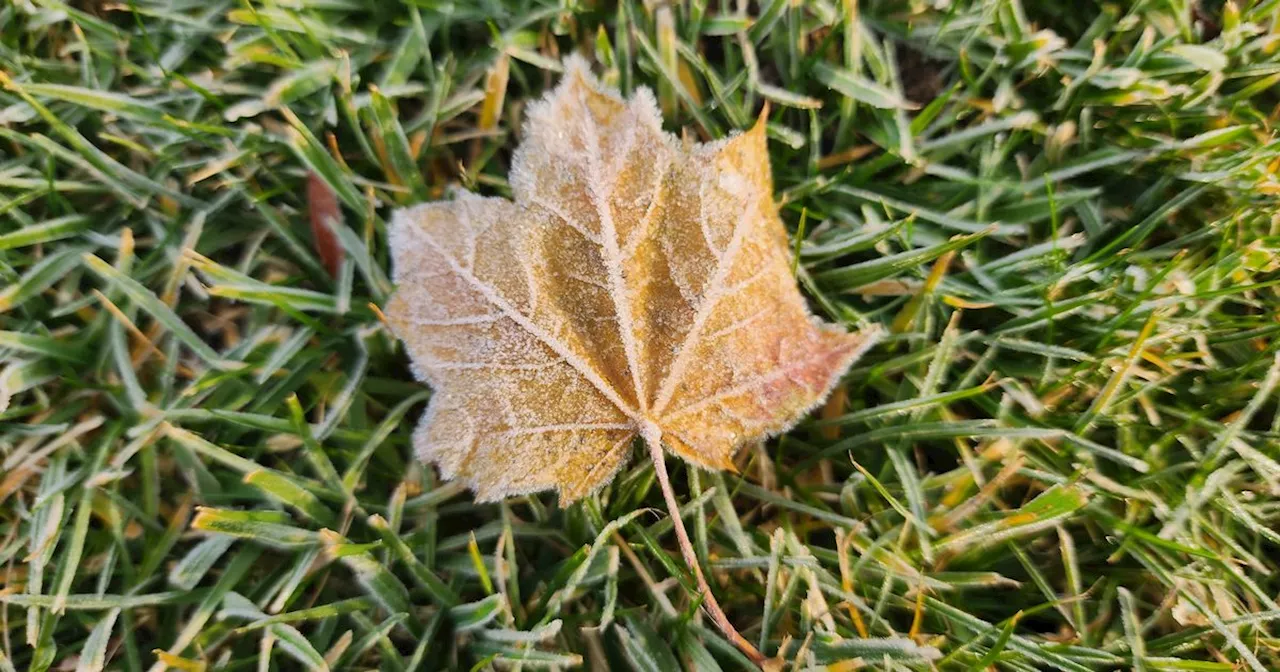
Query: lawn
pixel 1065 454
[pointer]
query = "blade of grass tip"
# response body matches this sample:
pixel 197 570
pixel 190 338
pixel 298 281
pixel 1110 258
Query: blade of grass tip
pixel 341 404
pixel 118 344
pixel 374 577
pixel 920 403
pixel 39 277
pixel 913 490
pixel 373 635
pixel 42 539
pixel 893 502
pixel 864 238
pixel 439 591
pixel 1242 419
pixel 122 322
pixel 290 493
pixel 507 568
pixel 477 562
pixel 857 275
pixel 43 346
pixel 799 238
pixel 400 166
pixel 44 232
pixel 390 423
pixel 507 656
pixel 535 635
pixel 298 647
pixel 476 615
pixel 234 572
pixel 284 353
pixel 1037 577
pixel 262 527
pixel 158 547
pixel 96 157
pixel 338 608
pixel 187 573
pixel 830 651
pixel 1043 512
pixel 1132 630
pixel 215 453
pixel 709 127
pixel 1002 640
pixel 860 89
pixel 644 648
pixel 346 283
pixel 93 657
pixel 1099 406
pixel 1045 657
pixel 613 564
pixel 149 302
pixel 664 26
pixel 700 533
pixel 929 215
pixel 1138 465
pixel 312 450
pixel 308 148
pixel 80 527
pixel 395 514
pixel 771 584
pixel 282 230
pixel 230 283
pixel 606 533
pixel 99 602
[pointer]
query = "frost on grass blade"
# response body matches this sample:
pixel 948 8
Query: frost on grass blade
pixel 637 285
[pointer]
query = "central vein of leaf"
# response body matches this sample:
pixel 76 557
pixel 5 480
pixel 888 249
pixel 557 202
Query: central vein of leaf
pixel 600 191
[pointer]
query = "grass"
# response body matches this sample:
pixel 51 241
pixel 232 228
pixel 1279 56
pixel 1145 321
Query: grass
pixel 1066 457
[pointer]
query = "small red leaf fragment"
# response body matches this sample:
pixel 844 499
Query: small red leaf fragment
pixel 322 207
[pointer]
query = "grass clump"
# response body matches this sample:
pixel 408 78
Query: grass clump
pixel 1065 457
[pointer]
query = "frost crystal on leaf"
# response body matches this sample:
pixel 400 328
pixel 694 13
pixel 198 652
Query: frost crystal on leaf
pixel 637 285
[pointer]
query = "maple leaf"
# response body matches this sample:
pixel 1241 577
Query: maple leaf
pixel 637 285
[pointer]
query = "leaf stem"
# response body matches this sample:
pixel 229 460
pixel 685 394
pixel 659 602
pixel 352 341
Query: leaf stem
pixel 686 549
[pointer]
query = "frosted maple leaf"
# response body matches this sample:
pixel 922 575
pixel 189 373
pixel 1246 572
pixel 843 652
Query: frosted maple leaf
pixel 636 286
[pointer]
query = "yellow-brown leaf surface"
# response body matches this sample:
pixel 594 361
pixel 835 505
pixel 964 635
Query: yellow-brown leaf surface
pixel 636 285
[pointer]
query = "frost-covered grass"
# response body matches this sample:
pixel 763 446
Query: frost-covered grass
pixel 1066 456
